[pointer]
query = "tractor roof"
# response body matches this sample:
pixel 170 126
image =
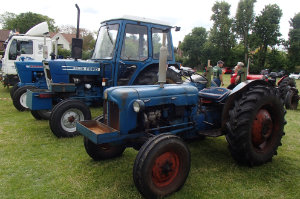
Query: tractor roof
pixel 140 19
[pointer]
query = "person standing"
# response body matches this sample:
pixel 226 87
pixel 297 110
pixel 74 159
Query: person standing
pixel 218 74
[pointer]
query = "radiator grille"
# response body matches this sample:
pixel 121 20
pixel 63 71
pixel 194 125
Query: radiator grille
pixel 111 114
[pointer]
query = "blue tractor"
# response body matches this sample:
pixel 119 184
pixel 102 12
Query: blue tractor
pixel 31 76
pixel 126 53
pixel 155 119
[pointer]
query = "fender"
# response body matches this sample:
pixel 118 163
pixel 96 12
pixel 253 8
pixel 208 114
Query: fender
pixel 234 94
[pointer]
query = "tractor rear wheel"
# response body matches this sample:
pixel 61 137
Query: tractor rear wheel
pixel 13 90
pixel 284 87
pixel 291 99
pixel 255 126
pixel 102 151
pixel 150 77
pixel 64 116
pixel 41 114
pixel 161 166
pixel 19 98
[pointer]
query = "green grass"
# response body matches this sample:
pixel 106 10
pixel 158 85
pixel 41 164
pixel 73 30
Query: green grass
pixel 36 164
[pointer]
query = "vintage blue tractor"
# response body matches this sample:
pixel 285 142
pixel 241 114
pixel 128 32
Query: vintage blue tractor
pixel 126 53
pixel 31 75
pixel 155 119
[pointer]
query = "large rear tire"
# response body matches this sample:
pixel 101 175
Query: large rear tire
pixel 161 166
pixel 291 99
pixel 19 98
pixel 64 116
pixel 150 77
pixel 255 126
pixel 13 90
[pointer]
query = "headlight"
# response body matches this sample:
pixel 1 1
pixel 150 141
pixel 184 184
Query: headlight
pixel 138 105
pixel 105 95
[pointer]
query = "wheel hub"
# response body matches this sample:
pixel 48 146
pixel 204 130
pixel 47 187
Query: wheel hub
pixel 262 128
pixel 69 119
pixel 165 169
pixel 23 100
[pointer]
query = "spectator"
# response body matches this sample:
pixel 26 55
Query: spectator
pixel 238 70
pixel 218 75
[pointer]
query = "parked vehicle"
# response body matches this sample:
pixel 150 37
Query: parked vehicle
pixel 294 76
pixel 30 45
pixel 155 119
pixel 126 53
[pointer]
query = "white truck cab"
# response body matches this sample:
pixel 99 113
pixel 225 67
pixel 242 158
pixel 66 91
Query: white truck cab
pixel 29 45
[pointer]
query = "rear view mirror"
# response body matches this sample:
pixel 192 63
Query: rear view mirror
pixel 77 48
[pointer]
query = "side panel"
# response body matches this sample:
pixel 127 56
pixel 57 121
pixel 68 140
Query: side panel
pixel 35 102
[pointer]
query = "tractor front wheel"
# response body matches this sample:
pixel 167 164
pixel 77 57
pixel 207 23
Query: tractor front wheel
pixel 102 151
pixel 19 98
pixel 161 166
pixel 13 90
pixel 255 126
pixel 41 114
pixel 64 116
pixel 291 99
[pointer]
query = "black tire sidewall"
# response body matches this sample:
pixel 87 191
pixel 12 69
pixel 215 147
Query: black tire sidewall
pixel 60 109
pixel 146 158
pixel 17 95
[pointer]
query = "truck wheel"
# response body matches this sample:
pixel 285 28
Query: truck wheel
pixel 291 100
pixel 255 126
pixel 150 77
pixel 102 151
pixel 19 98
pixel 285 85
pixel 161 166
pixel 41 114
pixel 64 116
pixel 13 90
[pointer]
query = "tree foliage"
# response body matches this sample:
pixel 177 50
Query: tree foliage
pixel 266 31
pixel 294 42
pixel 244 19
pixel 221 34
pixel 193 47
pixel 24 21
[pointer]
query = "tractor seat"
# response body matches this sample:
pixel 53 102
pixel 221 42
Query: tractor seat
pixel 215 94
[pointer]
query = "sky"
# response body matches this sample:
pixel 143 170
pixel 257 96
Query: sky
pixel 184 13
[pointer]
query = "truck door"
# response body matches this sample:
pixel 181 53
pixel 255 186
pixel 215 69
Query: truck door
pixel 134 52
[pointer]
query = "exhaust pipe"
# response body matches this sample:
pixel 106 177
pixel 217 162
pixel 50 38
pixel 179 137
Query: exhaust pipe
pixel 162 71
pixel 78 18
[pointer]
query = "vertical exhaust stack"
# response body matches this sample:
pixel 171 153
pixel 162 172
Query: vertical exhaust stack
pixel 77 42
pixel 162 71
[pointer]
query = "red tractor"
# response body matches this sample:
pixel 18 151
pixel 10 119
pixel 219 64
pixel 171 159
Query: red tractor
pixel 286 85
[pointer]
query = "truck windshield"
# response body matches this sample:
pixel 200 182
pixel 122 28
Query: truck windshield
pixel 106 40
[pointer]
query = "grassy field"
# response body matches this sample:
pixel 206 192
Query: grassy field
pixel 36 164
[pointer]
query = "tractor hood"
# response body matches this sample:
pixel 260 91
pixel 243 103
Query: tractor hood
pixel 179 94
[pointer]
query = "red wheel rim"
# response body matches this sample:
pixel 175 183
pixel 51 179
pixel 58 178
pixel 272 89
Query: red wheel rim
pixel 165 169
pixel 262 129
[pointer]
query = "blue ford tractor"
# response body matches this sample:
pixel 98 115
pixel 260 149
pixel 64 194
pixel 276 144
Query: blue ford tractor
pixel 155 119
pixel 31 75
pixel 126 53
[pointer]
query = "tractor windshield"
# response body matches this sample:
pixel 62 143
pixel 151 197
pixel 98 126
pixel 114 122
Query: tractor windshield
pixel 106 40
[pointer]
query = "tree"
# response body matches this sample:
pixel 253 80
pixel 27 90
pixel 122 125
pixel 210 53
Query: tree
pixel 244 19
pixel 24 21
pixel 294 42
pixel 87 36
pixel 266 31
pixel 221 34
pixel 193 47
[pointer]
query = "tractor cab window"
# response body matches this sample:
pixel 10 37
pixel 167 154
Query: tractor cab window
pixel 157 38
pixel 107 36
pixel 135 44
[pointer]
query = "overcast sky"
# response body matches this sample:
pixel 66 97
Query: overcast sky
pixel 185 13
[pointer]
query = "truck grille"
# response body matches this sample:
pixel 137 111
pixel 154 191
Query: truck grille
pixel 111 114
